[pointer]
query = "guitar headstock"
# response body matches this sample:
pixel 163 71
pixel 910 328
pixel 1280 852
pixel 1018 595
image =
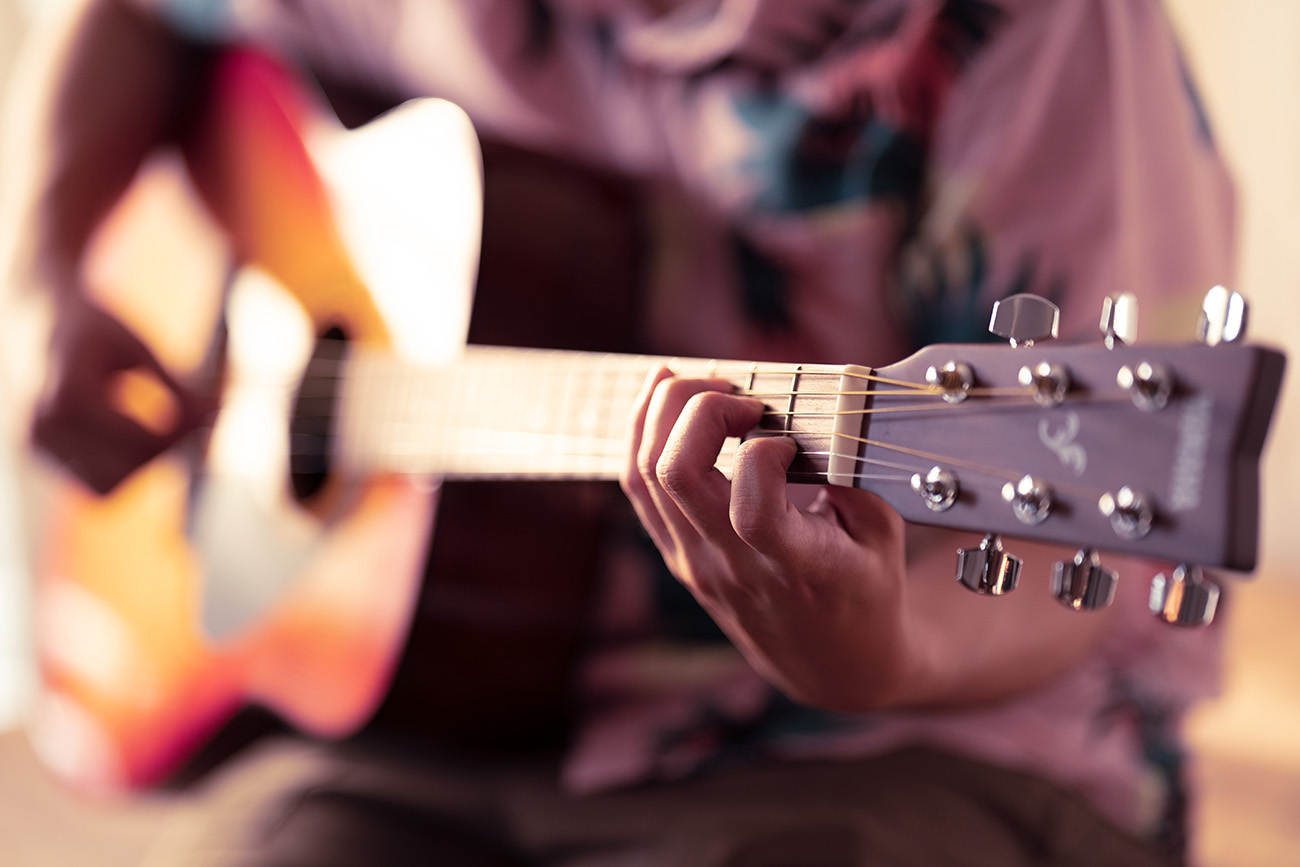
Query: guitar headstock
pixel 1150 450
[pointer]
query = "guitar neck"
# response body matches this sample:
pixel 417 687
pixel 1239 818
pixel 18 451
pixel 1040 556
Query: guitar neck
pixel 522 413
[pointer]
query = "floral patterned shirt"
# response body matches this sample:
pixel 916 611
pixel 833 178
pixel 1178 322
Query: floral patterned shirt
pixel 842 180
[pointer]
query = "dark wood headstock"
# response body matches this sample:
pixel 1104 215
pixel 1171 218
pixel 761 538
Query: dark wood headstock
pixel 1192 454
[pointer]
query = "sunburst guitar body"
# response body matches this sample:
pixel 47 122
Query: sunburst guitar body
pixel 200 585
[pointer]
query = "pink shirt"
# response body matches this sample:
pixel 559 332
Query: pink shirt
pixel 844 182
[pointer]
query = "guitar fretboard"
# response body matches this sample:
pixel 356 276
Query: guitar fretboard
pixel 553 414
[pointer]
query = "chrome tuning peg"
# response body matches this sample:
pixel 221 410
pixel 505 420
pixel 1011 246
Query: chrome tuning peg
pixel 1223 317
pixel 1083 583
pixel 988 569
pixel 1023 319
pixel 1119 319
pixel 1185 597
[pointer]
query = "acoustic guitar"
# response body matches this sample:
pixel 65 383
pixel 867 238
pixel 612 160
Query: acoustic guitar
pixel 205 582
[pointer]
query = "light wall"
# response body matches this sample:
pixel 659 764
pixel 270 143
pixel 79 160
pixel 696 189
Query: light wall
pixel 1247 60
pixel 16 679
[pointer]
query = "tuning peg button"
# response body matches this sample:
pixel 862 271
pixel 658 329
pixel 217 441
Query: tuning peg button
pixel 1223 317
pixel 1185 597
pixel 1023 319
pixel 1119 319
pixel 988 569
pixel 1084 584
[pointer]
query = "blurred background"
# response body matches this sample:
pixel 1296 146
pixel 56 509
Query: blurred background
pixel 15 666
pixel 1246 57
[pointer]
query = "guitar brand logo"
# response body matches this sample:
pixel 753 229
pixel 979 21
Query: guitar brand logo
pixel 1061 442
pixel 1189 454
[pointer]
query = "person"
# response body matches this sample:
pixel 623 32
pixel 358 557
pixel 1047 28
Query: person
pixel 820 181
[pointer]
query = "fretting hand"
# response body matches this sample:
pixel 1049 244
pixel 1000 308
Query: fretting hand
pixel 823 601
pixel 812 596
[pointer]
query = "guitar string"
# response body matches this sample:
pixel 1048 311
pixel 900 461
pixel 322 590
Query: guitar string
pixel 582 449
pixel 603 463
pixel 902 388
pixel 914 392
pixel 337 371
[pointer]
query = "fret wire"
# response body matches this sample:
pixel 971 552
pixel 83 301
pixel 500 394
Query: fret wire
pixel 794 390
pixel 609 391
pixel 580 393
pixel 564 418
pixel 554 456
pixel 626 383
pixel 586 409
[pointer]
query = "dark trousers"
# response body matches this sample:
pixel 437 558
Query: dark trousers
pixel 363 804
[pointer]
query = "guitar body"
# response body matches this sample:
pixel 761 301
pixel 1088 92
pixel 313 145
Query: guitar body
pixel 200 585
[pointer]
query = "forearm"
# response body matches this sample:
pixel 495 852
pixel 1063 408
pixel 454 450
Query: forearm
pixel 109 85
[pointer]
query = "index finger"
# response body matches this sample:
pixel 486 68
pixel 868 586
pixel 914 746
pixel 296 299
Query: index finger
pixel 687 468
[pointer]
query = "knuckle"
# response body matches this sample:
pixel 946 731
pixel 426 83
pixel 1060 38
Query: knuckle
pixel 677 389
pixel 706 589
pixel 706 402
pixel 672 477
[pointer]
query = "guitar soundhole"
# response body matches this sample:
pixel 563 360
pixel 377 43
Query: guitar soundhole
pixel 311 427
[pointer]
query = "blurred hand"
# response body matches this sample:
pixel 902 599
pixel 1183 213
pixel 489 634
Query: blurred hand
pixel 108 406
pixel 813 597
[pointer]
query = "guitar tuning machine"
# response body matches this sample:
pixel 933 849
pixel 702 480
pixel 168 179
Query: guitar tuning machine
pixel 954 379
pixel 1048 382
pixel 1025 319
pixel 1119 319
pixel 1130 512
pixel 1083 584
pixel 1030 499
pixel 1149 385
pixel 1185 597
pixel 938 488
pixel 988 570
pixel 1222 318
